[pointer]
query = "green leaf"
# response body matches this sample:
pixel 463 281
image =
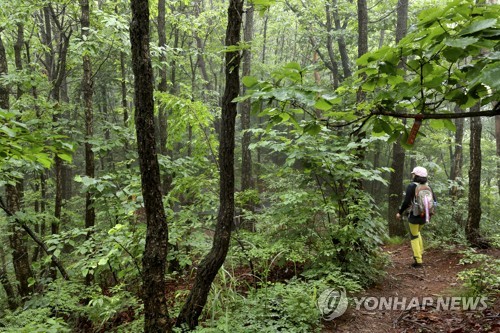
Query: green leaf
pixel 437 124
pixel 490 75
pixel 8 131
pixel 312 128
pixel 461 42
pixel 65 157
pixel 369 85
pixel 322 104
pixel 478 26
pixel 293 65
pixel 44 160
pixel 449 125
pixel 249 81
pixel 394 136
pixel 452 54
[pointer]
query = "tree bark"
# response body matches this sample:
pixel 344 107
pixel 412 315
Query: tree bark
pixel 13 193
pixel 497 135
pixel 246 155
pixel 210 265
pixel 88 91
pixel 155 253
pixel 344 55
pixel 162 87
pixel 12 300
pixel 396 187
pixel 456 168
pixel 56 69
pixel 474 208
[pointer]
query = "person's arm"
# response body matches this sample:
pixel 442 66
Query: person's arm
pixel 410 193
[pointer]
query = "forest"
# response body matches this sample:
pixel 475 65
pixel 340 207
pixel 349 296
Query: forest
pixel 220 165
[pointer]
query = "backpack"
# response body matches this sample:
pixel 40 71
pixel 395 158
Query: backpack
pixel 423 205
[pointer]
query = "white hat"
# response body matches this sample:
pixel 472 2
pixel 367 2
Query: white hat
pixel 420 171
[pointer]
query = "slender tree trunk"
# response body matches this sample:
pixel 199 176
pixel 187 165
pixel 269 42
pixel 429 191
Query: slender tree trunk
pixel 162 87
pixel 329 46
pixel 13 193
pixel 246 156
pixel 88 91
pixel 173 264
pixel 344 55
pixel 497 134
pixel 360 96
pixel 200 46
pixel 56 73
pixel 456 168
pixel 12 300
pixel 474 216
pixel 123 87
pixel 210 265
pixel 155 253
pixel 396 187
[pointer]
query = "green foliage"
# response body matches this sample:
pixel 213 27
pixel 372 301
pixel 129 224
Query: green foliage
pixel 50 311
pixel 38 320
pixel 484 279
pixel 186 116
pixel 103 308
pixel 289 307
pixel 436 47
pixel 25 146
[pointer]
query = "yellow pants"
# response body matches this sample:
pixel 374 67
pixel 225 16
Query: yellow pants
pixel 417 245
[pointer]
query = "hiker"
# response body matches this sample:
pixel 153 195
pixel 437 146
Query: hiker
pixel 416 218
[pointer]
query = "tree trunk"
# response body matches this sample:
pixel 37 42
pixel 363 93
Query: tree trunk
pixel 87 88
pixel 332 65
pixel 13 193
pixel 155 253
pixel 245 107
pixel 497 135
pixel 456 168
pixel 344 55
pixel 162 87
pixel 56 73
pixel 12 300
pixel 200 46
pixel 210 265
pixel 123 87
pixel 396 187
pixel 474 209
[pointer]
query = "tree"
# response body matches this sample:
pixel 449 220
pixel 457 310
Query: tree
pixel 497 135
pixel 456 156
pixel 208 268
pixel 246 155
pixel 395 195
pixel 474 207
pixel 87 88
pixel 155 251
pixel 13 192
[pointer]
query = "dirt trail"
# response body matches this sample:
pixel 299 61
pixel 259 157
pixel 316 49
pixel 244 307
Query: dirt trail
pixel 437 278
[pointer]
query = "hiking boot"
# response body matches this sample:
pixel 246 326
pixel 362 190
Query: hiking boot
pixel 417 265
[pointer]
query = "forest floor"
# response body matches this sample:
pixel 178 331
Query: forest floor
pixel 437 278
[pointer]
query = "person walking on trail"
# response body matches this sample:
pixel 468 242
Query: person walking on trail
pixel 416 218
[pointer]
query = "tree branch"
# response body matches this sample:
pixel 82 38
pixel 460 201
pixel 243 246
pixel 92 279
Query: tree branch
pixel 37 240
pixel 488 113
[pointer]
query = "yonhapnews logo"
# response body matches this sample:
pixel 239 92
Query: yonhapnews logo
pixel 333 303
